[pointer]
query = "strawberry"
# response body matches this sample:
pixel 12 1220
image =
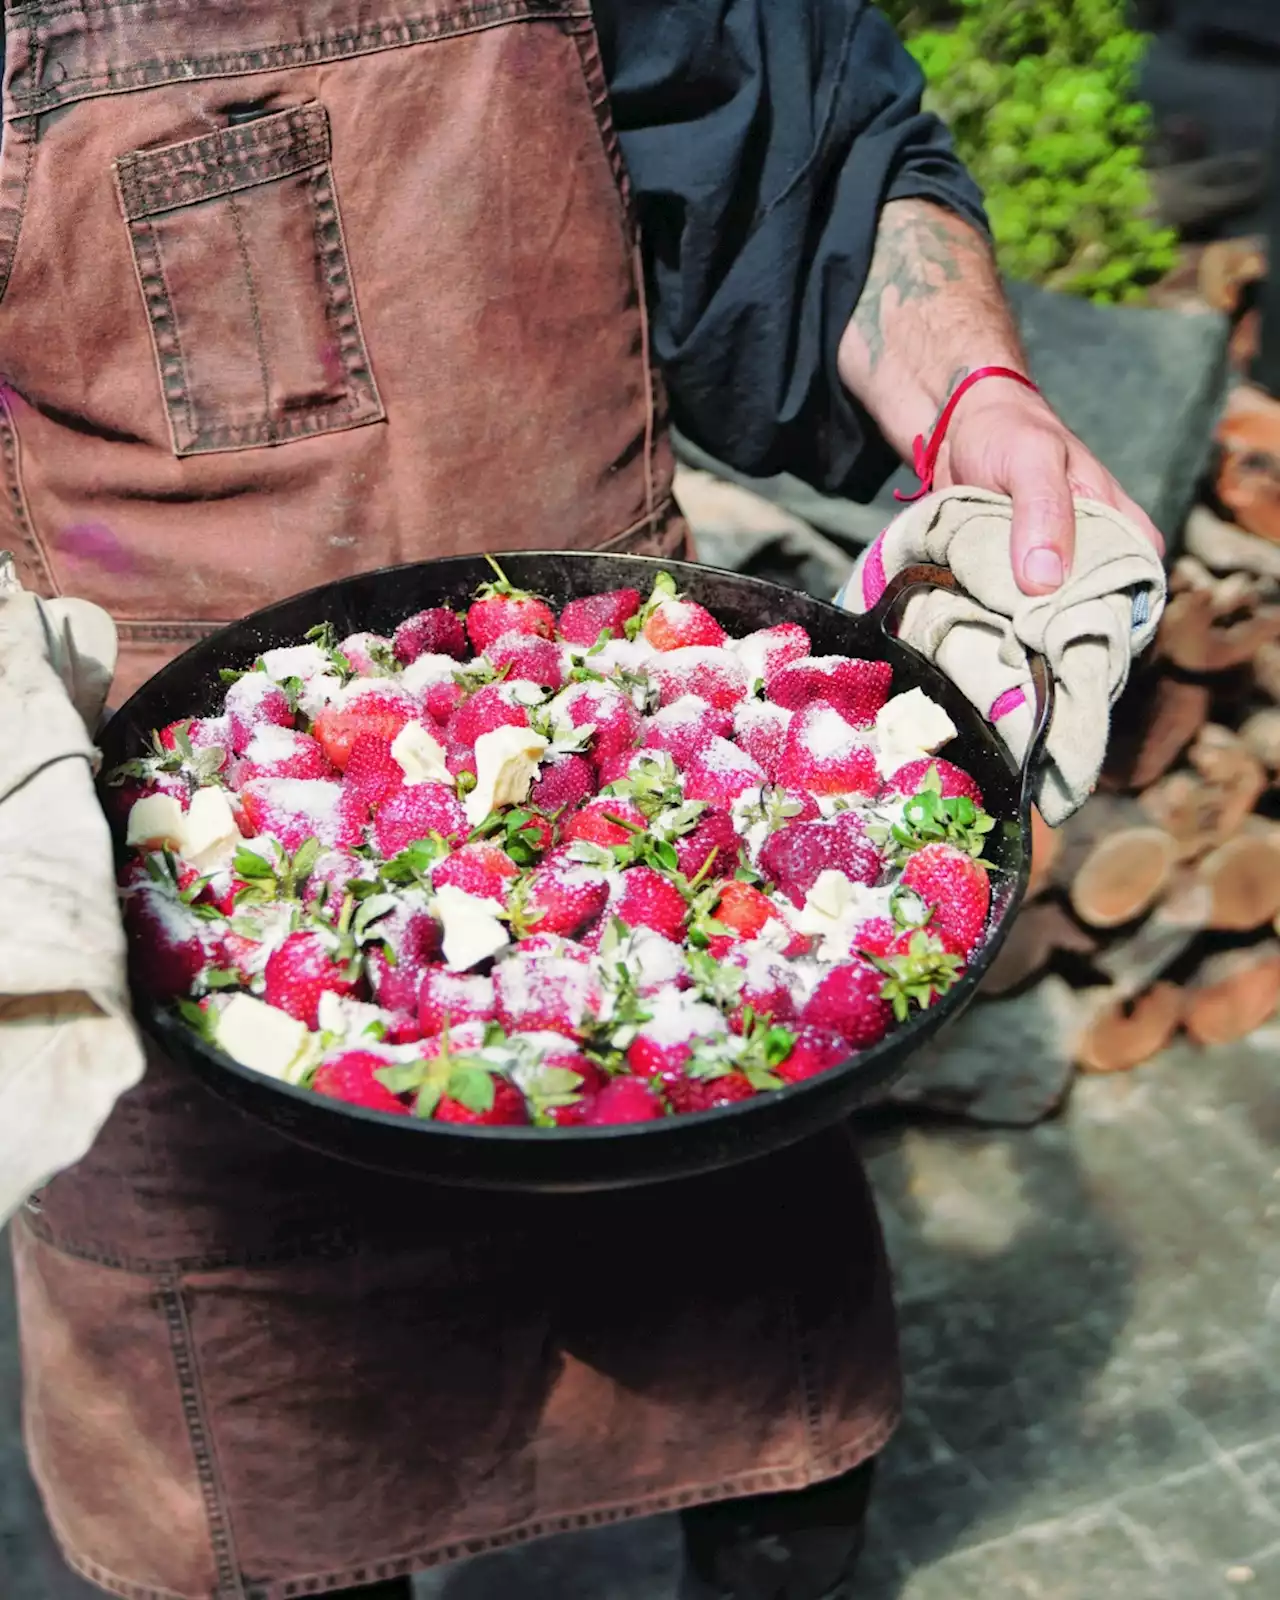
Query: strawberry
pixel 401 1027
pixel 604 708
pixel 369 655
pixel 199 733
pixel 711 849
pixel 527 658
pixel 365 707
pixel 462 1038
pixel 480 869
pixel 616 768
pixel 760 729
pixel 499 608
pixel 857 689
pixel 408 941
pixel 300 970
pixel 622 1100
pixel 719 773
pixel 710 674
pixel 921 965
pixel 766 990
pixel 438 631
pixel 448 998
pixel 253 701
pixel 415 811
pixel 559 900
pixel 460 759
pixel 957 888
pixel 507 1110
pixel 671 623
pixel 350 1076
pixel 441 700
pixel 275 752
pixel 686 726
pixel 648 900
pixel 122 797
pixel 583 621
pixel 373 772
pixel 545 994
pixel 605 821
pixel 488 708
pixel 330 875
pixel 953 781
pixel 561 1091
pixel 848 1002
pixel 686 1096
pixel 744 909
pixel 169 945
pixel 875 937
pixel 562 785
pixel 292 810
pixel 825 755
pixel 795 856
pixel 930 817
pixel 766 650
pixel 678 1021
pixel 815 1050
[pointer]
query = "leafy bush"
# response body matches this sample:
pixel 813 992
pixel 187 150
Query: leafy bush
pixel 1039 97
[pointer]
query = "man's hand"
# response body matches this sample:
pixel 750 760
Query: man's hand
pixel 1006 438
pixel 932 311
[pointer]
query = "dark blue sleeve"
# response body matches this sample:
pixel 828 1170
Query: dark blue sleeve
pixel 762 137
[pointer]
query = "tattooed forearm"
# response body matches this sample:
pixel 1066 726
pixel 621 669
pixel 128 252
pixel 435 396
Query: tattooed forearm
pixel 931 310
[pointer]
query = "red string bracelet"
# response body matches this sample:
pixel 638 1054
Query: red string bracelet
pixel 925 454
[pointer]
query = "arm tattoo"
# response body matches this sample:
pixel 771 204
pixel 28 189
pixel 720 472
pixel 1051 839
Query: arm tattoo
pixel 918 253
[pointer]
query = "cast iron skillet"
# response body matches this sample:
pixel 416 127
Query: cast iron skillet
pixel 592 1158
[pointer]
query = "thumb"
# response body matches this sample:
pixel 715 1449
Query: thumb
pixel 1043 539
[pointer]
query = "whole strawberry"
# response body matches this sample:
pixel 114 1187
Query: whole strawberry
pixel 646 899
pixel 857 689
pixel 501 608
pixel 760 729
pixel 545 994
pixel 675 624
pixel 560 900
pixel 710 674
pixel 956 886
pixel 711 849
pixel 849 1002
pixel 763 652
pixel 438 631
pixel 293 810
pixel 331 873
pixel 767 988
pixel 169 946
pixel 350 1076
pixel 921 965
pixel 488 708
pixel 796 856
pixel 686 726
pixel 719 773
pixel 583 621
pixel 606 709
pixel 562 785
pixel 508 1109
pixel 303 968
pixel 375 710
pixel 409 940
pixel 369 655
pixel 480 869
pixel 446 999
pixel 254 701
pixel 815 1050
pixel 605 821
pixel 275 752
pixel 415 811
pixel 373 772
pixel 686 1096
pixel 527 658
pixel 953 782
pixel 824 754
pixel 616 768
pixel 620 1101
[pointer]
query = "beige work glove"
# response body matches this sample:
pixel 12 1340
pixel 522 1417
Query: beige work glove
pixel 68 1046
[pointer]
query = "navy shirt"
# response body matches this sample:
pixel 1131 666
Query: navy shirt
pixel 762 138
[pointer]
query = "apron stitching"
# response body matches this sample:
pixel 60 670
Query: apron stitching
pixel 12 230
pixel 221 1542
pixel 331 242
pixel 10 449
pixel 255 314
pixel 166 346
pixel 305 52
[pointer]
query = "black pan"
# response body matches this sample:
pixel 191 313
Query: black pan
pixel 592 1158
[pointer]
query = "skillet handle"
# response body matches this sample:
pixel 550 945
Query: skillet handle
pixel 886 614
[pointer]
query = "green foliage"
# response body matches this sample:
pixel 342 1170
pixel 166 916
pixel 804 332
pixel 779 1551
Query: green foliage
pixel 1039 98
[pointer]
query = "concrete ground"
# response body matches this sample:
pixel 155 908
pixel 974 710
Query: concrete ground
pixel 1091 1333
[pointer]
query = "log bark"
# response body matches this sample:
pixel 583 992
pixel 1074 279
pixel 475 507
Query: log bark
pixel 1134 963
pixel 1196 636
pixel 1123 1033
pixel 1233 993
pixel 1150 733
pixel 1046 846
pixel 1040 932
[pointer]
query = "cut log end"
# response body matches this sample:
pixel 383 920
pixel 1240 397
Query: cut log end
pixel 1123 876
pixel 1125 1033
pixel 1243 878
pixel 1234 993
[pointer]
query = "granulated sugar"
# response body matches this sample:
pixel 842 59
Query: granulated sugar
pixel 425 671
pixel 295 661
pixel 676 1017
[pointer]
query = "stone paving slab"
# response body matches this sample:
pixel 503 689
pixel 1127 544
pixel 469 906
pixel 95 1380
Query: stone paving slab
pixel 1091 1334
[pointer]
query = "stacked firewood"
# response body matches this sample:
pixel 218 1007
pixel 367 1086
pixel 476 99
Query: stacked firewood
pixel 1161 898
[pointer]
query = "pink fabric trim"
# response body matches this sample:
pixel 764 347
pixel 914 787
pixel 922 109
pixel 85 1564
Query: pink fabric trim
pixel 1003 704
pixel 874 581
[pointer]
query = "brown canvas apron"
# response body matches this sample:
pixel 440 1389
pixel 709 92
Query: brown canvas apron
pixel 289 292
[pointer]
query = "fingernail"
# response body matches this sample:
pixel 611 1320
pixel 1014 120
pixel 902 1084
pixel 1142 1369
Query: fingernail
pixel 1043 566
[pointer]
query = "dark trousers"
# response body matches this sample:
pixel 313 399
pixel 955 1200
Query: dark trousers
pixel 801 1546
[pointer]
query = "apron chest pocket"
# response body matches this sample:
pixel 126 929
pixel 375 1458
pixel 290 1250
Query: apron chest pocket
pixel 244 276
